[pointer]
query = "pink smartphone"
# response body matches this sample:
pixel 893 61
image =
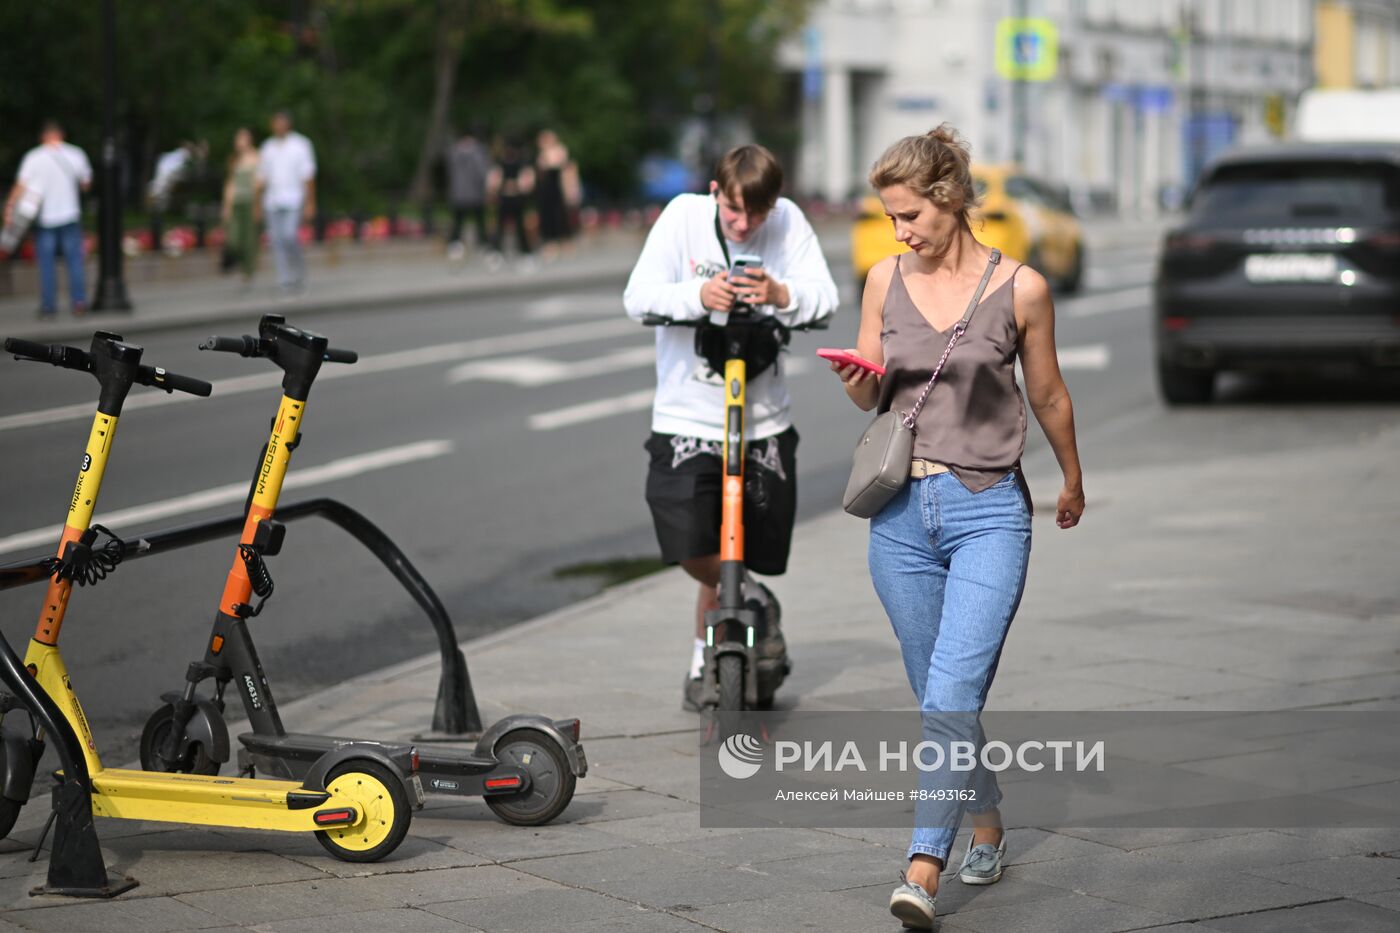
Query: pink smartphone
pixel 846 359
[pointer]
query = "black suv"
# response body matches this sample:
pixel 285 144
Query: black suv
pixel 1289 257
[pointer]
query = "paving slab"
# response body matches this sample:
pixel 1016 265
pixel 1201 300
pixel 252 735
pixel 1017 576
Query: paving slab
pixel 1347 874
pixel 1073 913
pixel 536 909
pixel 154 914
pixel 266 903
pixel 405 919
pixel 1327 917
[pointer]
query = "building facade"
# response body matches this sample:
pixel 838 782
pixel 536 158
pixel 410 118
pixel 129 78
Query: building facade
pixel 1139 95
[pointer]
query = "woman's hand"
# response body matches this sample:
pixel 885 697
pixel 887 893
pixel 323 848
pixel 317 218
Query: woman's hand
pixel 756 287
pixel 1070 506
pixel 851 374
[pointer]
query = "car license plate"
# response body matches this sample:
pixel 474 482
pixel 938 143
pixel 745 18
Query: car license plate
pixel 1291 267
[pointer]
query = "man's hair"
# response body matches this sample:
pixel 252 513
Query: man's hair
pixel 752 172
pixel 50 126
pixel 936 165
pixel 283 115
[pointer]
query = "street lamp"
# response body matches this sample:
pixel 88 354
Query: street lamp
pixel 111 288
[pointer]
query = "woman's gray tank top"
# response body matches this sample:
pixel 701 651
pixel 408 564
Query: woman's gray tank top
pixel 974 421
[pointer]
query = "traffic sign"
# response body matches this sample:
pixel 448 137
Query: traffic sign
pixel 1027 49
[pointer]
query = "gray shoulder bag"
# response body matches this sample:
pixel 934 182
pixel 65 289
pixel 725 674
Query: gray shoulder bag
pixel 886 449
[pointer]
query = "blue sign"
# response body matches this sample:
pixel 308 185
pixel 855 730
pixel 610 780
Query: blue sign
pixel 812 63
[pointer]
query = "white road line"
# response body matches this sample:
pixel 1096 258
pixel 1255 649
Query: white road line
pixel 237 492
pixel 1107 302
pixel 555 307
pixel 541 371
pixel 1090 356
pixel 403 359
pixel 592 411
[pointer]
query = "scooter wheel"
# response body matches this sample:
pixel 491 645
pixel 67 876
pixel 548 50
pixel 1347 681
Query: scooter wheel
pixel 731 683
pixel 379 796
pixel 552 782
pixel 194 761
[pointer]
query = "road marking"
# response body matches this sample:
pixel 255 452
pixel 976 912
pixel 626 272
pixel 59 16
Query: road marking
pixel 403 359
pixel 561 306
pixel 540 371
pixel 631 401
pixel 592 411
pixel 343 468
pixel 1089 356
pixel 1129 299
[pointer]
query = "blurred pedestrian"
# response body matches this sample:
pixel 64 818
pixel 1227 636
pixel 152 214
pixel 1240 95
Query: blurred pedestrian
pixel 468 166
pixel 949 321
pixel 56 173
pixel 241 212
pixel 287 177
pixel 173 168
pixel 509 186
pixel 556 192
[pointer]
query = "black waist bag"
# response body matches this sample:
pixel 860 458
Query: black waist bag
pixel 757 340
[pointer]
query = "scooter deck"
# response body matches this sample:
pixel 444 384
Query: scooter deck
pixel 457 772
pixel 209 801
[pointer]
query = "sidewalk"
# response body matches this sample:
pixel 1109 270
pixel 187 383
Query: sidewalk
pixel 1119 614
pixel 340 277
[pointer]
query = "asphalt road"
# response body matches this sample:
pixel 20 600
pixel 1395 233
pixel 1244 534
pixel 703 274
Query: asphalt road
pixel 497 442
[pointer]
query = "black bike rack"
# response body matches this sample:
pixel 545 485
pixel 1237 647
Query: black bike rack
pixel 454 714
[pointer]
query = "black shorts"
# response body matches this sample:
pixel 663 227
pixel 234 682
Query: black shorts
pixel 683 490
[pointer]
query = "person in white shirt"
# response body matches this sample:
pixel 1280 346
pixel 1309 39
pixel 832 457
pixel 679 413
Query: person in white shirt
pixel 287 179
pixel 54 173
pixel 683 273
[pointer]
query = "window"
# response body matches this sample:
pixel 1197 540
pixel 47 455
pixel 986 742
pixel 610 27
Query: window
pixel 1297 193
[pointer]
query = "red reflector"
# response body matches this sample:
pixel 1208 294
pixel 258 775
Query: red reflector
pixel 1384 240
pixel 1176 323
pixel 217 644
pixel 327 817
pixel 1190 242
pixel 503 782
pixel 417 760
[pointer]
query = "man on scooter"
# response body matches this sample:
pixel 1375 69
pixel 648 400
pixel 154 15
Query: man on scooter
pixel 683 273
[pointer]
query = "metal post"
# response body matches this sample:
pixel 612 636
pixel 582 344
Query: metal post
pixel 1019 106
pixel 111 288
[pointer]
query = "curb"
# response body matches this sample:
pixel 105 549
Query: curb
pixel 128 324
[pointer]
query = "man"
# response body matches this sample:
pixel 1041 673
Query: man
pixel 468 165
pixel 683 273
pixel 53 173
pixel 287 178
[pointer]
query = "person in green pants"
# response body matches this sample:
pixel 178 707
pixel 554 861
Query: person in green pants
pixel 240 211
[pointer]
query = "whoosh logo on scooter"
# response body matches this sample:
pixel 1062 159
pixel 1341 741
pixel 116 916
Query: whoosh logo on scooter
pixel 267 465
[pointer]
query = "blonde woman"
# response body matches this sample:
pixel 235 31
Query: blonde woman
pixel 948 554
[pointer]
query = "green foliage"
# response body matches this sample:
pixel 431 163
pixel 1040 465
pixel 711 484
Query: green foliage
pixel 614 77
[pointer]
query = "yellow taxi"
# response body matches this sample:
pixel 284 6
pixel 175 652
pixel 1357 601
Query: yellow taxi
pixel 1025 218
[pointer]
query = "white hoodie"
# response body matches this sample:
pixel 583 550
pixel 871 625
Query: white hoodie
pixel 681 253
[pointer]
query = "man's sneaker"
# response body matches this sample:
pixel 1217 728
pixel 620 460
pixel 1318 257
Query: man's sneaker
pixel 912 905
pixel 982 864
pixel 694 689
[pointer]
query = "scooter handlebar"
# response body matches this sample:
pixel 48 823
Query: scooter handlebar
pixel 650 319
pixel 54 353
pixel 172 382
pixel 334 355
pixel 243 346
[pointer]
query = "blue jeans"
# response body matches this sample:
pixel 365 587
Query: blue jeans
pixel 48 241
pixel 949 566
pixel 282 223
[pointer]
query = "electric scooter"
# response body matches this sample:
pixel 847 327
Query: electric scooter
pixel 735 676
pixel 357 797
pixel 525 767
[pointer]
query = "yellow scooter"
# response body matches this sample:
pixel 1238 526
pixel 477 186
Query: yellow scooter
pixel 357 797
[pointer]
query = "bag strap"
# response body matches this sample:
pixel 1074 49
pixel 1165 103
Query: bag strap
pixel 958 329
pixel 719 235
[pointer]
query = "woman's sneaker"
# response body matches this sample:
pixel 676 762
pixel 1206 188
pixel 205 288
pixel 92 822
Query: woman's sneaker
pixel 912 905
pixel 982 864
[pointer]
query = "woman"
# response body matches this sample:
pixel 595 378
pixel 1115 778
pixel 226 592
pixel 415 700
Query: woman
pixel 948 554
pixel 556 191
pixel 509 185
pixel 240 210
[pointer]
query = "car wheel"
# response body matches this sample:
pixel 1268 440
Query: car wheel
pixel 1181 386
